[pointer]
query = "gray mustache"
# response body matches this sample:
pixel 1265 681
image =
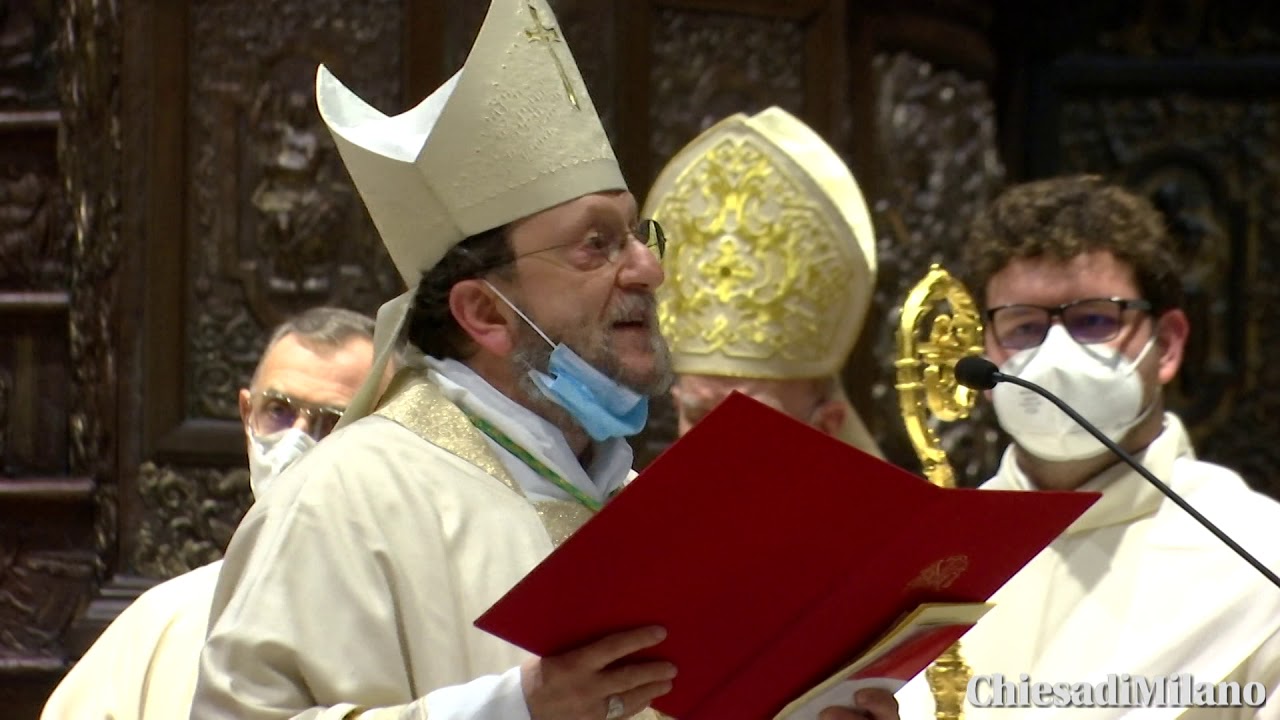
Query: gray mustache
pixel 637 307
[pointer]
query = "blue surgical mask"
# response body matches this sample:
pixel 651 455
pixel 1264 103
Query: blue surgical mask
pixel 604 408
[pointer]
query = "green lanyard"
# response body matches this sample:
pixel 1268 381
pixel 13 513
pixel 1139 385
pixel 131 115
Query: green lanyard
pixel 534 463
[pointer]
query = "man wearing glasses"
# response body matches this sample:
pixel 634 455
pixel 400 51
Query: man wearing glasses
pixel 1083 296
pixel 312 367
pixel 143 667
pixel 352 589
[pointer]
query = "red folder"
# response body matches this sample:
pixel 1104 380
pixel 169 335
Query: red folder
pixel 774 555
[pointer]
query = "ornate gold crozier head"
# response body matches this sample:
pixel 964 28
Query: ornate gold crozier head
pixel 939 325
pixel 932 338
pixel 770 258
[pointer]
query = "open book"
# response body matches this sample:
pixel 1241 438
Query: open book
pixel 774 556
pixel 904 652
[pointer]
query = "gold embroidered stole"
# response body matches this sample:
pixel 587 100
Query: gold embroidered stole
pixel 414 402
pixel 418 405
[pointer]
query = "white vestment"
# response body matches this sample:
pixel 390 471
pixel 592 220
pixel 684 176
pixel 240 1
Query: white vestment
pixel 1136 586
pixel 143 666
pixel 354 584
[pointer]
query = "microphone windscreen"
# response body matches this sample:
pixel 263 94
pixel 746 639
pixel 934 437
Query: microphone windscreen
pixel 976 372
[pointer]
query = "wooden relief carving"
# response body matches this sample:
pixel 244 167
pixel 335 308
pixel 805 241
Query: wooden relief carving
pixel 5 384
pixel 33 240
pixel 1159 27
pixel 189 516
pixel 90 161
pixel 276 225
pixel 41 590
pixel 1209 164
pixel 33 247
pixel 226 343
pixel 709 65
pixel 33 386
pixel 89 48
pixel 937 141
pixel 27 76
pixel 56 388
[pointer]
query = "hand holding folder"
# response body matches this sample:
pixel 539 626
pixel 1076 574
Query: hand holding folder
pixel 776 556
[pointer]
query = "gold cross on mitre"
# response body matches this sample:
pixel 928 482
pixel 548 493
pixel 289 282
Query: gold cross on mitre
pixel 549 34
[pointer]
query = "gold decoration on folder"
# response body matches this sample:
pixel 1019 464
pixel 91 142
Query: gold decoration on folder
pixel 940 575
pixel 931 340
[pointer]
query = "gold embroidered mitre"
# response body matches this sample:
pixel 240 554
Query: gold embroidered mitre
pixel 770 258
pixel 512 133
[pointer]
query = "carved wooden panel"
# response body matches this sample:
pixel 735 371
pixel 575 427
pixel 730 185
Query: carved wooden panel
pixel 1204 27
pixel 56 306
pixel 34 257
pixel 1209 164
pixel 937 145
pixel 27 75
pixel 33 238
pixel 708 65
pixel 275 224
pixel 90 160
pixel 190 515
pixel 45 568
pixel 33 385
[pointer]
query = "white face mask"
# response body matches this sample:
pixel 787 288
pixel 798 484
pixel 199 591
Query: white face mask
pixel 1098 381
pixel 270 454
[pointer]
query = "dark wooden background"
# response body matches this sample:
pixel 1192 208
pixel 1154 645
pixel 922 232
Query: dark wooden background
pixel 167 192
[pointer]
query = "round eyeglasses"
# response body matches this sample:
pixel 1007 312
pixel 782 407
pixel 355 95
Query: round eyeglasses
pixel 272 412
pixel 1088 321
pixel 604 248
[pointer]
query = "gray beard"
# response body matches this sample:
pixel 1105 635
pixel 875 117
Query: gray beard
pixel 533 353
pixel 529 356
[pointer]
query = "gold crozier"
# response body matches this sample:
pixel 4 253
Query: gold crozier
pixel 927 386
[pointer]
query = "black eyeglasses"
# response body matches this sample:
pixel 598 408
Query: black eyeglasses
pixel 600 249
pixel 272 412
pixel 1088 321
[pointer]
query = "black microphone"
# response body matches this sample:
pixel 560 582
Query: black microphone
pixel 981 374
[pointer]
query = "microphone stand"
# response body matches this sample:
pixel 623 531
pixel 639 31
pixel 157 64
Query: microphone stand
pixel 1169 493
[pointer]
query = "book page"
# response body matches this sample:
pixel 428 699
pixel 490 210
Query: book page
pixel 901 654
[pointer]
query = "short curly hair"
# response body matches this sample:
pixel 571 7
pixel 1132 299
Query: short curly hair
pixel 432 326
pixel 1068 216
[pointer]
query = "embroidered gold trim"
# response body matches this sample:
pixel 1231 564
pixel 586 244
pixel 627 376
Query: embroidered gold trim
pixel 415 403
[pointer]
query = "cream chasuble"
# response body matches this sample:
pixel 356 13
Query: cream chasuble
pixel 350 590
pixel 1136 586
pixel 143 666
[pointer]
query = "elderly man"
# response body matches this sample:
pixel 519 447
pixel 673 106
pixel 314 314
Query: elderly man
pixel 351 591
pixel 144 665
pixel 1082 296
pixel 770 271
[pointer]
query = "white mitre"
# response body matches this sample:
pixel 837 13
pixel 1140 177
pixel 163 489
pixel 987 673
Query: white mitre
pixel 513 133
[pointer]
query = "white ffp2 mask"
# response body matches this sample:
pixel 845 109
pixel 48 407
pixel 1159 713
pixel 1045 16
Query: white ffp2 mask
pixel 1098 381
pixel 270 454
